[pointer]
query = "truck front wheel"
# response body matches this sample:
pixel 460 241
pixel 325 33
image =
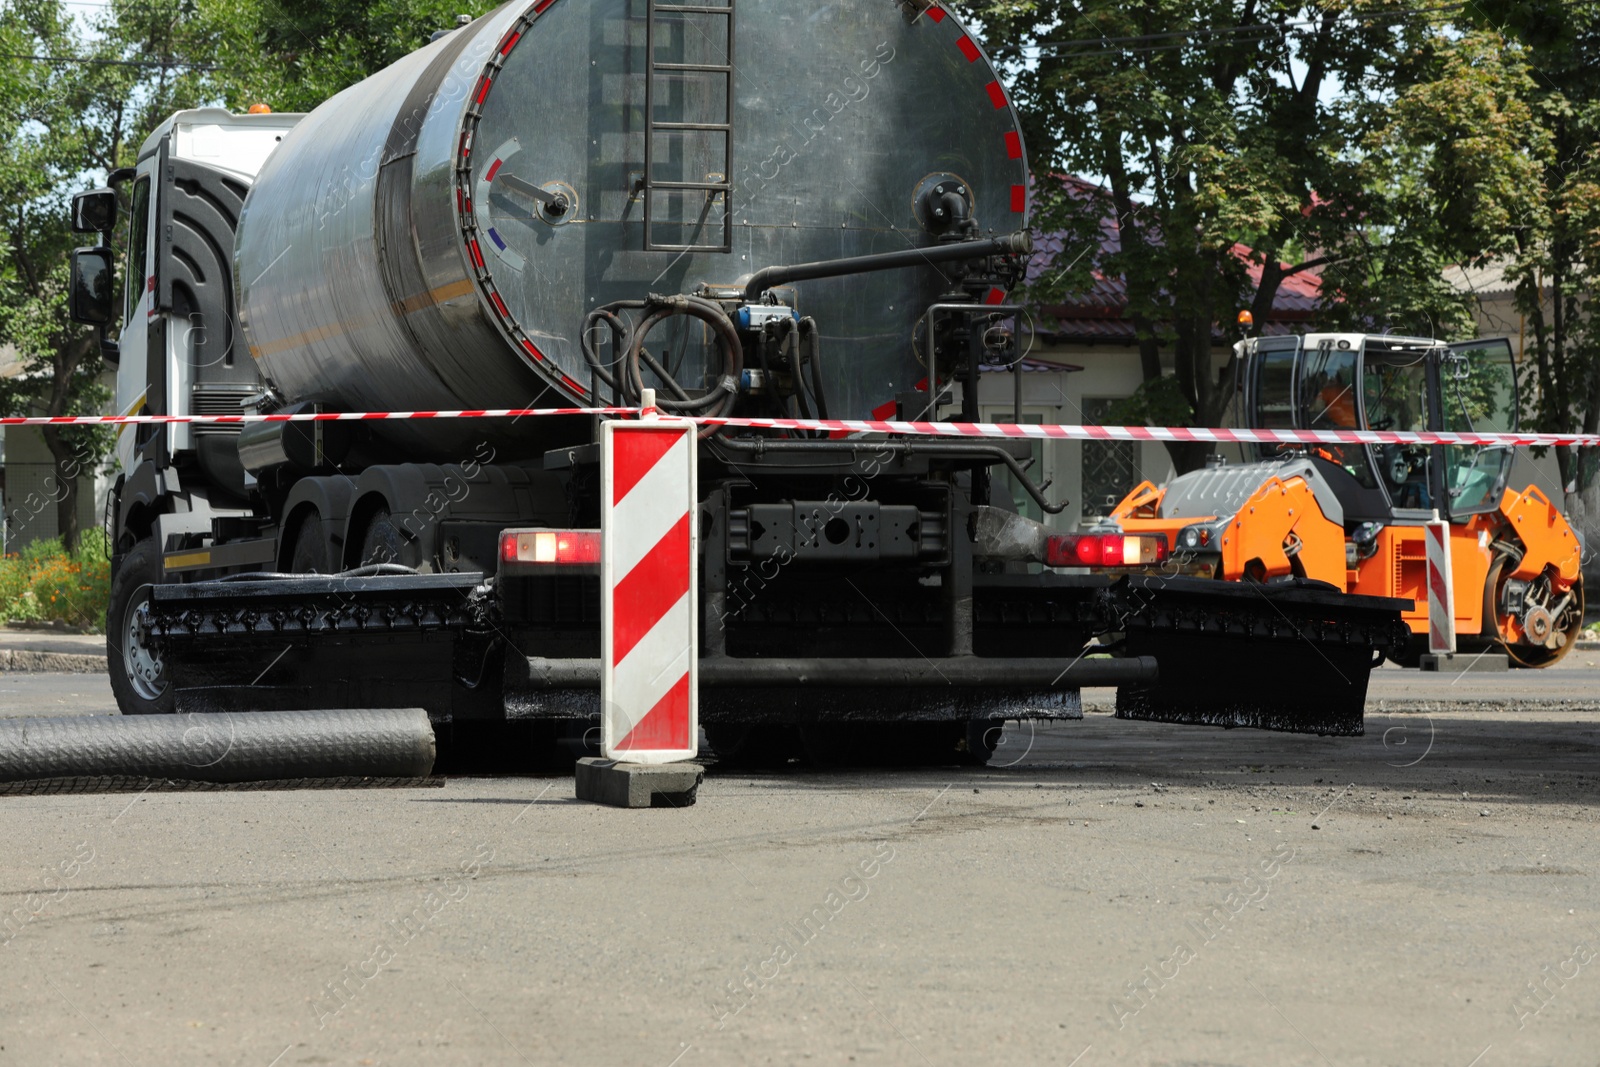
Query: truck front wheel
pixel 138 677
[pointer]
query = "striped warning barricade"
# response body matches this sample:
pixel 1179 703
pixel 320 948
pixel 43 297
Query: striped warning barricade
pixel 1441 590
pixel 648 582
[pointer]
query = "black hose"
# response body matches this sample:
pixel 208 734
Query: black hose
pixel 254 746
pixel 666 379
pixel 725 394
pixel 371 570
pixel 619 331
pixel 809 334
pixel 791 346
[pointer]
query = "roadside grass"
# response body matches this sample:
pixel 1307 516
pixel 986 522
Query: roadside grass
pixel 45 583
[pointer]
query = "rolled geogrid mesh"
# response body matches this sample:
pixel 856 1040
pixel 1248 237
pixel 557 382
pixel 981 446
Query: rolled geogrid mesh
pixel 221 747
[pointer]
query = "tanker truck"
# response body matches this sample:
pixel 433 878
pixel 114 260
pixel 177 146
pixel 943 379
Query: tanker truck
pixel 758 208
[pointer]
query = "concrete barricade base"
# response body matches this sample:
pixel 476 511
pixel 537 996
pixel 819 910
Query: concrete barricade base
pixel 1465 663
pixel 638 785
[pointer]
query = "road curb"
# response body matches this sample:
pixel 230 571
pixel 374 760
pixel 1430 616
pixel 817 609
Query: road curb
pixel 16 659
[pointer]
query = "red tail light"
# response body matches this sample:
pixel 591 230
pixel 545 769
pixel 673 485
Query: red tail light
pixel 1105 550
pixel 563 547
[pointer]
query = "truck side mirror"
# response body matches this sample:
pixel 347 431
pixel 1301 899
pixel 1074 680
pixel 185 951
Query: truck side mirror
pixel 89 300
pixel 94 211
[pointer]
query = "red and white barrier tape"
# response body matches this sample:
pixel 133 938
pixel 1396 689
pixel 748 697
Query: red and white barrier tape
pixel 1061 432
pixel 1161 433
pixel 303 416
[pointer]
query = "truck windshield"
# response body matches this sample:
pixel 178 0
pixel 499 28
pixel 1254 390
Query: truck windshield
pixel 1478 393
pixel 1395 390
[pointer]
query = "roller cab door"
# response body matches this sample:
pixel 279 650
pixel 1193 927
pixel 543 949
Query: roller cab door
pixel 1477 394
pixel 1270 383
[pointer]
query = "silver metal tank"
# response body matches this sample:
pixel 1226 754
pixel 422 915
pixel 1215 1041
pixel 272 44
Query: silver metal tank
pixel 401 251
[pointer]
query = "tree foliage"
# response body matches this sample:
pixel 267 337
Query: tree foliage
pixel 1549 229
pixel 60 124
pixel 1235 133
pixel 80 110
pixel 294 54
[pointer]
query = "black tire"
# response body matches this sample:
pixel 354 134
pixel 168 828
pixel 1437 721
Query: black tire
pixel 384 542
pixel 138 677
pixel 979 740
pixel 1410 655
pixel 312 554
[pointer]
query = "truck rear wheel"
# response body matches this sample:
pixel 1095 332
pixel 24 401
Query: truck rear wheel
pixel 384 542
pixel 138 677
pixel 311 554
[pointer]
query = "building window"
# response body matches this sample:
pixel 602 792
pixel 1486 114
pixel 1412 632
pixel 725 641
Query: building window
pixel 1110 468
pixel 1040 466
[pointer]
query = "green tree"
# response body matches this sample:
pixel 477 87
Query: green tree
pixel 294 54
pixel 1226 132
pixel 76 100
pixel 1552 238
pixel 45 144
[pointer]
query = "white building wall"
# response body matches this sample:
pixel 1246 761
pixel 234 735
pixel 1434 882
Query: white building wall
pixel 32 487
pixel 1107 373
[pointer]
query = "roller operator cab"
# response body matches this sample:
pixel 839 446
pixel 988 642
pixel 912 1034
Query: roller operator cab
pixel 1353 515
pixel 562 204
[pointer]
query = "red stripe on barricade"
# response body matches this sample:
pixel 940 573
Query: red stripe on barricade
pixel 639 458
pixel 664 726
pixel 651 589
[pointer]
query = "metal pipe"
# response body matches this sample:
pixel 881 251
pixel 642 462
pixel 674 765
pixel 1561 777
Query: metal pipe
pixel 1020 243
pixel 966 672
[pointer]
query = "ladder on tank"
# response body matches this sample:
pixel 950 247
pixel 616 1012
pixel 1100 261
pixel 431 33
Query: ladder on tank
pixel 656 73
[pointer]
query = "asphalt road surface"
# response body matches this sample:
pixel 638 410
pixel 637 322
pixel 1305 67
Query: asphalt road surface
pixel 1108 892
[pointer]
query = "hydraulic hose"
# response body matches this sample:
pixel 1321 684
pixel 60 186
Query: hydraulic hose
pixel 813 341
pixel 608 317
pixel 719 402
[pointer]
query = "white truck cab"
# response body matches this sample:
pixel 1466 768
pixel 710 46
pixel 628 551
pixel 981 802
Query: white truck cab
pixel 232 149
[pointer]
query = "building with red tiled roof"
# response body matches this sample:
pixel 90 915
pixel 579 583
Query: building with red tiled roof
pixel 1086 343
pixel 1099 314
